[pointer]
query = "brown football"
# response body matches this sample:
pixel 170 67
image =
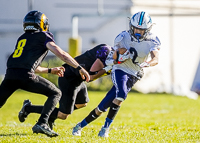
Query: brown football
pixel 121 51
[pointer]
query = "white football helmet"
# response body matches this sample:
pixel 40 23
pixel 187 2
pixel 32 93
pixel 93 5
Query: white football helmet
pixel 140 20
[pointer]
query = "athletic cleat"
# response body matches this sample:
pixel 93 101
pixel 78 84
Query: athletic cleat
pixel 77 130
pixel 44 129
pixel 103 132
pixel 23 114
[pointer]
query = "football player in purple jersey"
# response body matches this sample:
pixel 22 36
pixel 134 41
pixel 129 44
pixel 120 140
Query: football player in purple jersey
pixel 72 86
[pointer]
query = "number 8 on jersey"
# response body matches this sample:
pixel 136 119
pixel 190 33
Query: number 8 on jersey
pixel 19 49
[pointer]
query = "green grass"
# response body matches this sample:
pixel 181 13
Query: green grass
pixel 146 118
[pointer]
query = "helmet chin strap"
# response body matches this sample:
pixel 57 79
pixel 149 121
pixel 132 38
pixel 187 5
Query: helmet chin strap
pixel 137 36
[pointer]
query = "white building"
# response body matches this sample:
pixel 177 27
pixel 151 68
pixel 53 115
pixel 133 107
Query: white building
pixel 100 21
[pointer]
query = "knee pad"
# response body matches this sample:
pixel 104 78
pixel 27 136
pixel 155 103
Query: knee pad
pixel 121 94
pixel 120 99
pixel 102 108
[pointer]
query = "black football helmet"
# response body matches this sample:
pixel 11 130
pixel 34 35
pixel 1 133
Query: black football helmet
pixel 35 20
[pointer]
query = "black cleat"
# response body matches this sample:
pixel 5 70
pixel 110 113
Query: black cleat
pixel 44 129
pixel 23 114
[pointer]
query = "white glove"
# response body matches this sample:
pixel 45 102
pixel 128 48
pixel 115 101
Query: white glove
pixel 109 60
pixel 124 57
pixel 107 68
pixel 144 64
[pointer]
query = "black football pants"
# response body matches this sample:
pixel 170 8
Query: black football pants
pixel 38 85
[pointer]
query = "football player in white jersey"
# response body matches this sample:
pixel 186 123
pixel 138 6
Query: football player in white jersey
pixel 142 51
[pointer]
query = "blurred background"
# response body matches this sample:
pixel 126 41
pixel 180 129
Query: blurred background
pixel 79 25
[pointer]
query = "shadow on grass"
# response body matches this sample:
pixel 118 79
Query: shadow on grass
pixel 14 134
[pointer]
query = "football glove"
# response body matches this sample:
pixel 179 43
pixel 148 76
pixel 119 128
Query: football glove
pixel 144 64
pixel 107 68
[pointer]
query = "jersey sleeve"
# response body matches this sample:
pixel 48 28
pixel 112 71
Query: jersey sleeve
pixel 118 39
pixel 49 37
pixel 102 53
pixel 121 40
pixel 155 44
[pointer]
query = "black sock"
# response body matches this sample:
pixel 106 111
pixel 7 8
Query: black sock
pixel 91 117
pixel 75 107
pixel 38 109
pixel 113 111
pixel 51 119
pixel 54 115
pixel 34 109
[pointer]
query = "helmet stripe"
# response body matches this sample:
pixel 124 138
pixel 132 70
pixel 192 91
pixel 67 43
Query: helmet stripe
pixel 43 17
pixel 141 18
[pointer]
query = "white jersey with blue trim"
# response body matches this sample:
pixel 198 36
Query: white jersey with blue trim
pixel 141 51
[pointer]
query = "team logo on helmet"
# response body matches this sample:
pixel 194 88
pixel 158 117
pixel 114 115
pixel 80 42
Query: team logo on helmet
pixel 140 20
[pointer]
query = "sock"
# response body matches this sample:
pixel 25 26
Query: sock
pixel 91 117
pixel 83 123
pixel 107 122
pixel 75 107
pixel 34 109
pixel 111 114
pixel 54 114
pixel 52 117
pixel 38 109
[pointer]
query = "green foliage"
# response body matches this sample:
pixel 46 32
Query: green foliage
pixel 148 118
pixel 50 63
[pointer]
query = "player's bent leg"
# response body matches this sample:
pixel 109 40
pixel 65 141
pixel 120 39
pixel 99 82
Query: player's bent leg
pixel 123 83
pixel 7 87
pixel 43 86
pixel 114 108
pixel 22 113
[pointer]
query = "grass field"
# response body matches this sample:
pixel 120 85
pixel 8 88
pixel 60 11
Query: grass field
pixel 151 118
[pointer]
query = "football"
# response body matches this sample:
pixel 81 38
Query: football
pixel 121 51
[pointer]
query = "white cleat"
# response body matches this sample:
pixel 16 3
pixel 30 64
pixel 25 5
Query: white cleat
pixel 77 130
pixel 103 132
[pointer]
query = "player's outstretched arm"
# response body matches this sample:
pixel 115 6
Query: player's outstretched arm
pixel 154 58
pixel 68 59
pixel 56 70
pixel 153 61
pixel 98 69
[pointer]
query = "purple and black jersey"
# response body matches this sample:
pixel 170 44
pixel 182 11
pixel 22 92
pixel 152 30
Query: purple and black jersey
pixel 74 90
pixel 30 50
pixel 87 59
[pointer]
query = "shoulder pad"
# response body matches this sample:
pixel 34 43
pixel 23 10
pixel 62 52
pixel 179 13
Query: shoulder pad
pixel 153 38
pixel 120 36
